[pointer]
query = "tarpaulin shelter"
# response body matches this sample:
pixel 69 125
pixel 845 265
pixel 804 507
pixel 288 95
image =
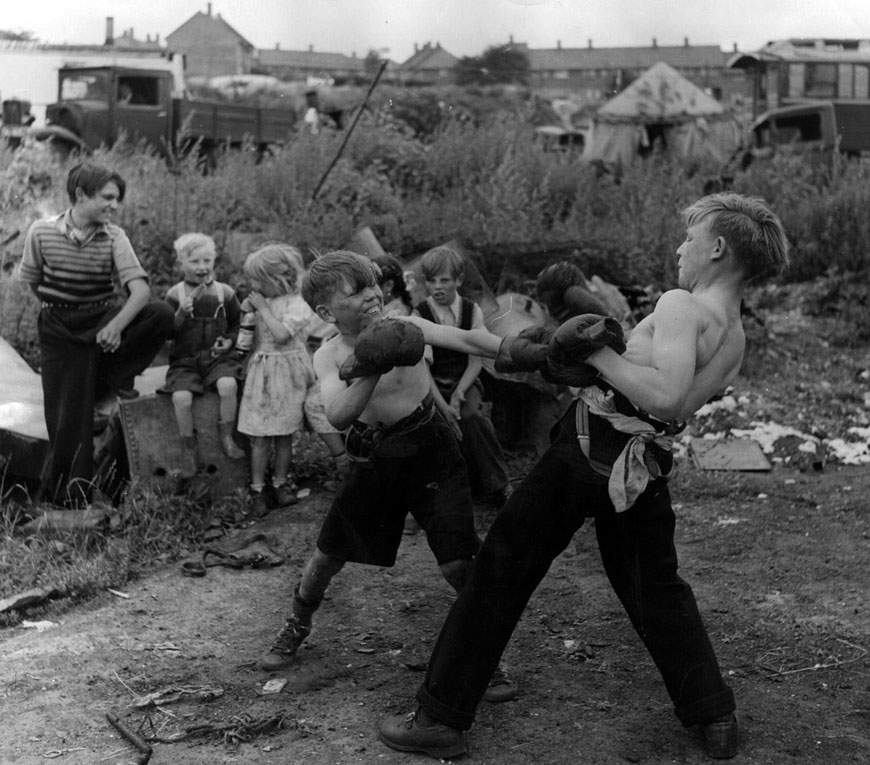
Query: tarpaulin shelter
pixel 661 110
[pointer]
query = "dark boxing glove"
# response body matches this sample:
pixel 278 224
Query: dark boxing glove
pixel 573 343
pixel 525 352
pixel 385 344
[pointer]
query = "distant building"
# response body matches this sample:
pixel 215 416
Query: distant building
pixel 211 47
pixel 304 64
pixel 430 65
pixel 791 71
pixel 599 73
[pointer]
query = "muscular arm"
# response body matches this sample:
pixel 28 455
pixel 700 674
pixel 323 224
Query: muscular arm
pixel 342 403
pixel 657 379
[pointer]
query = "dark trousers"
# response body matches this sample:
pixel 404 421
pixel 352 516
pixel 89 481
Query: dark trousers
pixel 640 560
pixel 75 370
pixel 483 455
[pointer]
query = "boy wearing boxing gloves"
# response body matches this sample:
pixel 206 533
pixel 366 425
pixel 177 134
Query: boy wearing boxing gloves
pixel 609 459
pixel 403 457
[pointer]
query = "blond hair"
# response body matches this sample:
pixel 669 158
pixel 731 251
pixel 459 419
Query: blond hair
pixel 187 244
pixel 277 264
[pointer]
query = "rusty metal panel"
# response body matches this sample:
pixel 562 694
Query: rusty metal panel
pixel 154 448
pixel 731 454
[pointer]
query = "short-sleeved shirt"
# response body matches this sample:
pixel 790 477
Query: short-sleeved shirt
pixel 69 265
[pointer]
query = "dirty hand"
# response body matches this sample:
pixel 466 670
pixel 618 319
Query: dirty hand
pixel 187 302
pixel 109 338
pixel 221 345
pixel 257 301
pixel 383 345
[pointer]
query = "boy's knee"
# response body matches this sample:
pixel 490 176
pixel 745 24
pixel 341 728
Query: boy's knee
pixel 182 398
pixel 456 572
pixel 227 386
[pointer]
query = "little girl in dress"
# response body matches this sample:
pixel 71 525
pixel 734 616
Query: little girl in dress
pixel 279 371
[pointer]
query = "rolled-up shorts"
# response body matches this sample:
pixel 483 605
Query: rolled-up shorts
pixel 414 466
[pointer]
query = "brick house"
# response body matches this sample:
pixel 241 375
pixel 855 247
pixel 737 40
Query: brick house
pixel 599 73
pixel 211 47
pixel 430 65
pixel 302 64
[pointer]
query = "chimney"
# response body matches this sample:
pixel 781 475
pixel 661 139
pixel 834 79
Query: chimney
pixel 510 39
pixel 157 38
pixel 589 43
pixel 685 42
pixel 277 46
pixel 208 12
pixel 655 43
pixel 558 45
pixel 735 47
pixel 110 31
pixel 311 49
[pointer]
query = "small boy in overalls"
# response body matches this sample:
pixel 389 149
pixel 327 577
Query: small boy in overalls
pixel 203 356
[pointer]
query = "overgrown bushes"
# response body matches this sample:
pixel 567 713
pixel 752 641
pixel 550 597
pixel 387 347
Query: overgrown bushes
pixel 486 183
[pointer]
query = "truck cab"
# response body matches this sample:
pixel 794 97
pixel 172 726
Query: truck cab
pixel 96 105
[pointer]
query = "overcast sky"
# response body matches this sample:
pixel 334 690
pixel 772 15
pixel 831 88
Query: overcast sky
pixel 463 27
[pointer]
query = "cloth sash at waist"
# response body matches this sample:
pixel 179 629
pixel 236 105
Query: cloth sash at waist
pixel 645 456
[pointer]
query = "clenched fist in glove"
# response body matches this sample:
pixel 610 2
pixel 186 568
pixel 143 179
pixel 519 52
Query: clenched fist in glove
pixel 526 352
pixel 575 340
pixel 385 344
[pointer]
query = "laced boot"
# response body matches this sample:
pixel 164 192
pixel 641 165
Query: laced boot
pixel 294 632
pixel 417 732
pixel 189 457
pixel 228 444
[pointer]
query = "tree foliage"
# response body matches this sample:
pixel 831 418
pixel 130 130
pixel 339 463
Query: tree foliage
pixel 499 64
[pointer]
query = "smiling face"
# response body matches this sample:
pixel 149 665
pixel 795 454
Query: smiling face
pixel 442 287
pixel 352 309
pixel 98 209
pixel 695 252
pixel 198 265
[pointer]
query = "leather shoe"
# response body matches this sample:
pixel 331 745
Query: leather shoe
pixel 416 732
pixel 721 737
pixel 502 687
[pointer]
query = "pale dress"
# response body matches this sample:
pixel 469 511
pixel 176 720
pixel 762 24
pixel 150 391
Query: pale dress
pixel 278 375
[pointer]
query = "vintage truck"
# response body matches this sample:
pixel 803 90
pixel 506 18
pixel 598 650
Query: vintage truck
pixel 815 129
pixel 97 104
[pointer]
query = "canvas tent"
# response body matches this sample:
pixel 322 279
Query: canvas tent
pixel 662 110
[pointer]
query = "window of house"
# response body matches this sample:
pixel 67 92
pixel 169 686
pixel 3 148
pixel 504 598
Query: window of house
pixel 821 80
pixel 560 74
pixel 862 81
pixel 796 79
pixel 845 81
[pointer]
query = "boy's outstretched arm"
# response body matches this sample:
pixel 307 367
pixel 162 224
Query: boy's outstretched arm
pixel 475 342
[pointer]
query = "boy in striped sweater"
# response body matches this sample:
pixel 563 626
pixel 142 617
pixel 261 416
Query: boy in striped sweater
pixel 92 340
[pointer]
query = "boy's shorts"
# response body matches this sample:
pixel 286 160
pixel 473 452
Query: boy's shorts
pixel 413 466
pixel 201 372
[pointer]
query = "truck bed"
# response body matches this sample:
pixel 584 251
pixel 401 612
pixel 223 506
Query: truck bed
pixel 224 122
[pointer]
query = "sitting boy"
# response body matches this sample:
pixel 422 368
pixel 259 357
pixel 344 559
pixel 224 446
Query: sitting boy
pixel 207 317
pixel 458 390
pixel 403 456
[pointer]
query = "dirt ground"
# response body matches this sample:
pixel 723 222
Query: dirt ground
pixel 779 560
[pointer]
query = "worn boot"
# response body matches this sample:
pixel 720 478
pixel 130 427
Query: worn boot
pixel 227 443
pixel 189 457
pixel 292 635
